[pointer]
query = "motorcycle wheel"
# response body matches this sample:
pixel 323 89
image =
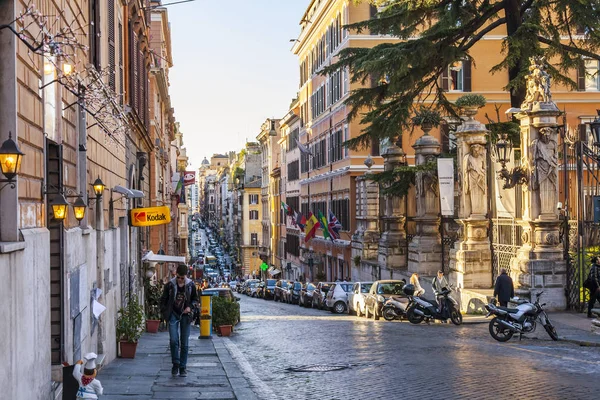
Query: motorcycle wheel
pixel 412 317
pixel 499 331
pixel 551 331
pixel 388 314
pixel 358 311
pixel 367 313
pixel 456 317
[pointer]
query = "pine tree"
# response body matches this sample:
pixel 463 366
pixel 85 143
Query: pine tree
pixel 437 33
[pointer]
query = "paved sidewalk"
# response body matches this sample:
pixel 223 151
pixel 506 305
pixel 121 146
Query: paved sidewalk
pixel 575 328
pixel 212 373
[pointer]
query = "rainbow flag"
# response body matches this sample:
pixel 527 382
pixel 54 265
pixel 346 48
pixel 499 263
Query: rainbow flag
pixel 310 230
pixel 324 225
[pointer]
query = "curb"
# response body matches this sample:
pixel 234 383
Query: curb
pixel 583 343
pixel 240 385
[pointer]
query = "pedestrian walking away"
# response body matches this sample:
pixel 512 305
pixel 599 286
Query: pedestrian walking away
pixel 593 285
pixel 504 288
pixel 178 301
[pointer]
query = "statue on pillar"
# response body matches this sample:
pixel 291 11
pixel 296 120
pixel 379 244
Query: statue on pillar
pixel 474 178
pixel 538 84
pixel 545 179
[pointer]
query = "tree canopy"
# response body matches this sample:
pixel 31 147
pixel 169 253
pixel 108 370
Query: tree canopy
pixel 437 33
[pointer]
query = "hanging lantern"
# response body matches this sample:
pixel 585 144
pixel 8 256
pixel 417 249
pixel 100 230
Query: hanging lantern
pixel 98 187
pixel 10 158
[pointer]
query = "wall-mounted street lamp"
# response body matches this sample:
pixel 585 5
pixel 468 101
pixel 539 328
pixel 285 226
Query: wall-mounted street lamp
pixel 60 204
pixel 10 161
pixel 99 187
pixel 517 175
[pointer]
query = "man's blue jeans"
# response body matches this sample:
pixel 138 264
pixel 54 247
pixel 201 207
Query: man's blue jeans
pixel 179 334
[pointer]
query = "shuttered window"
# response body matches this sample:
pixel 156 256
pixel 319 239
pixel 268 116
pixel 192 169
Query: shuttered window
pixel 112 81
pixel 121 88
pixel 94 33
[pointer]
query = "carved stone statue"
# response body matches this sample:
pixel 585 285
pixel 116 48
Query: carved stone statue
pixel 474 180
pixel 538 84
pixel 545 178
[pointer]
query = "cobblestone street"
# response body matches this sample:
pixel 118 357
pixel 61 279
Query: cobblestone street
pixel 385 359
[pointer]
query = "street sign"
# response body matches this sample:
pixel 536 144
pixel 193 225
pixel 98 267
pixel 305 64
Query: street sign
pixel 149 216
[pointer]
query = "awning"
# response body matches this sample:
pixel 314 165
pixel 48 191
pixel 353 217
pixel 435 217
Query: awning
pixel 151 257
pixel 274 271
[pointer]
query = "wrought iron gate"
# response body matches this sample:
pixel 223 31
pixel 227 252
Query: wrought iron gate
pixel 505 235
pixel 580 186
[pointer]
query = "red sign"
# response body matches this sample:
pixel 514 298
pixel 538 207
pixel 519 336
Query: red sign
pixel 189 178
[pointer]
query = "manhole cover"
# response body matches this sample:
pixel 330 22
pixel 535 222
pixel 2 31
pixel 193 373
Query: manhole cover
pixel 318 368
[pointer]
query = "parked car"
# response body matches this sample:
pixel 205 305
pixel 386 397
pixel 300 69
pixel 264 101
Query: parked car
pixel 320 294
pixel 295 292
pixel 251 288
pixel 306 295
pixel 269 290
pixel 260 290
pixel 337 297
pixel 281 291
pixel 356 298
pixel 233 285
pixel 380 291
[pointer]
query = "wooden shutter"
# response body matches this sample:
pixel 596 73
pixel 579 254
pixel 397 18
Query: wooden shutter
pixel 372 11
pixel 582 129
pixel 445 80
pixel 466 75
pixel 445 138
pixel 581 76
pixel 112 81
pixel 121 88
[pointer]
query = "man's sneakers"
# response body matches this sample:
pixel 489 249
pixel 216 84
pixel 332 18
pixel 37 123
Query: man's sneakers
pixel 175 370
pixel 182 372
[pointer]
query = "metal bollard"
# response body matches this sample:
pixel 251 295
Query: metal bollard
pixel 205 316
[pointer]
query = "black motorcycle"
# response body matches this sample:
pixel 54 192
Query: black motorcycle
pixel 421 309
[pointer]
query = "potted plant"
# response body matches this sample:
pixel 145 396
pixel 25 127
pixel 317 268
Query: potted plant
pixel 130 322
pixel 153 292
pixel 357 260
pixel 426 118
pixel 470 103
pixel 224 315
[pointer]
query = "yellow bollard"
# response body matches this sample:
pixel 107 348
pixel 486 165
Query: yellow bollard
pixel 205 316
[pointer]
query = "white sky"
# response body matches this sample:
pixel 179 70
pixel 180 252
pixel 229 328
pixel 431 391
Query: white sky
pixel 233 68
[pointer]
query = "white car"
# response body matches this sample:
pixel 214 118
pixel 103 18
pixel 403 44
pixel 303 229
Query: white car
pixel 232 285
pixel 337 297
pixel 356 298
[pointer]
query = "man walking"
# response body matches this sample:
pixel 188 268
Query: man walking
pixel 504 288
pixel 178 300
pixel 594 278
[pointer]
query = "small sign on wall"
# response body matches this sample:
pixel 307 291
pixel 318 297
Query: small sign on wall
pixel 445 167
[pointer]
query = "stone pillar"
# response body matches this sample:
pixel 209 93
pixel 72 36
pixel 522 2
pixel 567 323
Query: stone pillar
pixel 392 245
pixel 425 250
pixel 471 258
pixel 539 263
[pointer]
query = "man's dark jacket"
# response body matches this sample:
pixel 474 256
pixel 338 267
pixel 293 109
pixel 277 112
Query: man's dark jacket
pixel 504 288
pixel 168 297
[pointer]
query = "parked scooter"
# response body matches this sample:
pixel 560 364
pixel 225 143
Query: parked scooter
pixel 508 321
pixel 393 308
pixel 421 309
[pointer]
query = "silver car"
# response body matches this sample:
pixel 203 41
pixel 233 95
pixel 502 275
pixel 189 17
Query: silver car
pixel 337 297
pixel 356 298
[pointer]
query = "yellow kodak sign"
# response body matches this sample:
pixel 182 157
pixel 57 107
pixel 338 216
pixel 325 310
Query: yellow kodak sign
pixel 149 216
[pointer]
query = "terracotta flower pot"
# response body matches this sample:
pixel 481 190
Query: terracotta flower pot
pixel 152 325
pixel 225 330
pixel 128 349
